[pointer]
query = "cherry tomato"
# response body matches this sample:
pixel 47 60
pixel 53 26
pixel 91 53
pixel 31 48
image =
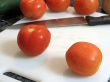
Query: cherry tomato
pixel 86 7
pixel 33 39
pixel 58 5
pixel 106 6
pixel 84 58
pixel 33 9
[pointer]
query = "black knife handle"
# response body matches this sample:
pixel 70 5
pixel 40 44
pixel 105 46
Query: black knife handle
pixel 92 21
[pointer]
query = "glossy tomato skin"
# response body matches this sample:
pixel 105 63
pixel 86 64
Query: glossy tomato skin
pixel 86 7
pixel 84 58
pixel 33 39
pixel 33 9
pixel 58 5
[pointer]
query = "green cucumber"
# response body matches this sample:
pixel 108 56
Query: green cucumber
pixel 9 6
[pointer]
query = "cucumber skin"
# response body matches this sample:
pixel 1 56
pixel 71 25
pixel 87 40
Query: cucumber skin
pixel 9 6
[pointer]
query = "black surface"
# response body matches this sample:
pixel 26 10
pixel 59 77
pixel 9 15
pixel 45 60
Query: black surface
pixel 8 20
pixel 109 80
pixel 18 77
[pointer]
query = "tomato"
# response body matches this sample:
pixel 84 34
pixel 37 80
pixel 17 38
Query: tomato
pixel 33 9
pixel 84 58
pixel 33 39
pixel 106 6
pixel 86 7
pixel 58 5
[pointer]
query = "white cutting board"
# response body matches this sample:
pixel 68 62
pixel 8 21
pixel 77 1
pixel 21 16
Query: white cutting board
pixel 51 65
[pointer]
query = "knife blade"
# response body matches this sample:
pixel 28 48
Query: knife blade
pixel 91 21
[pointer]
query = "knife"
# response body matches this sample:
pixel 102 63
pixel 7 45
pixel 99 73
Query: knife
pixel 91 21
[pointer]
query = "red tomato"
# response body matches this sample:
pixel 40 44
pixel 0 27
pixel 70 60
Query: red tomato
pixel 33 9
pixel 58 5
pixel 33 39
pixel 86 7
pixel 106 6
pixel 84 58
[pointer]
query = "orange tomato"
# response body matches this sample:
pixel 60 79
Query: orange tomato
pixel 86 7
pixel 58 5
pixel 33 9
pixel 84 58
pixel 33 39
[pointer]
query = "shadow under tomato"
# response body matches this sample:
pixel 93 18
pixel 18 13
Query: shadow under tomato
pixel 57 65
pixel 11 49
pixel 20 54
pixel 70 74
pixel 31 63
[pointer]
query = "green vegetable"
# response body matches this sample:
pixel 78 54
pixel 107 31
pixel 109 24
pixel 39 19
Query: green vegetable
pixel 9 6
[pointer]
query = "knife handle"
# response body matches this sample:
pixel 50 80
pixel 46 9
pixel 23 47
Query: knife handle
pixel 92 21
